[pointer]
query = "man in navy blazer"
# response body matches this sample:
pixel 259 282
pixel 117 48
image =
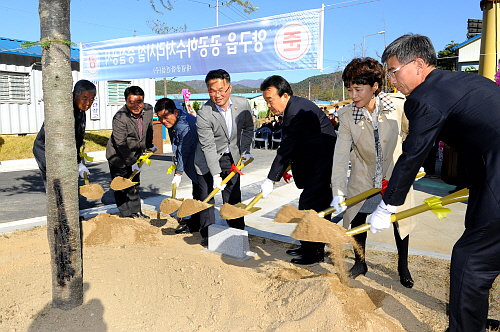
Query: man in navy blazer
pixel 465 110
pixel 307 143
pixel 225 133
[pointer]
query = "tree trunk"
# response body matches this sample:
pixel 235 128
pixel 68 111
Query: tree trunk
pixel 63 226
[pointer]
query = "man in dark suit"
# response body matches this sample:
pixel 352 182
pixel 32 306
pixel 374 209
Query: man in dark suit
pixel 132 136
pixel 83 97
pixel 225 131
pixel 307 143
pixel 464 109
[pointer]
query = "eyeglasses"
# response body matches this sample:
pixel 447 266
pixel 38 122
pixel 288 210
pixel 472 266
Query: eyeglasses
pixel 218 92
pixel 392 74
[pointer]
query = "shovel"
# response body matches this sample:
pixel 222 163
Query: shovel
pixel 315 229
pixel 120 183
pixel 192 206
pixel 290 214
pixel 228 211
pixel 90 191
pixel 172 204
pixel 434 204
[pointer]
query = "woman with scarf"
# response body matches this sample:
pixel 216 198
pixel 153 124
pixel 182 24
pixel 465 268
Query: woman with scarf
pixel 370 137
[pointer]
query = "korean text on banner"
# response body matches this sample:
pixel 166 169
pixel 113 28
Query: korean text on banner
pixel 283 42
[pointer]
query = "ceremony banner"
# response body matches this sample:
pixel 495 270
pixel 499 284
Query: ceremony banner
pixel 283 42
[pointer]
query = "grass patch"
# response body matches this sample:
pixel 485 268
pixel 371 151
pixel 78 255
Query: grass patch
pixel 20 147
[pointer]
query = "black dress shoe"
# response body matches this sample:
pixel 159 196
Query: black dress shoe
pixel 405 278
pixel 407 282
pixel 183 230
pixel 140 215
pixel 295 251
pixel 204 242
pixel 307 260
pixel 359 268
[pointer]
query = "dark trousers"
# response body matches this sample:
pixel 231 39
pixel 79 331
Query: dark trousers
pixel 231 194
pixel 474 266
pixel 401 244
pixel 127 200
pixel 315 198
pixel 194 221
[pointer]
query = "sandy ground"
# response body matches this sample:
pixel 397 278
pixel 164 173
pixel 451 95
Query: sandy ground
pixel 141 276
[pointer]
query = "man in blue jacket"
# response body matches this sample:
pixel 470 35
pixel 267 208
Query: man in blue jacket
pixel 181 128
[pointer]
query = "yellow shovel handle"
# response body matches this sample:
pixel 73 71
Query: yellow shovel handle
pixel 134 173
pixel 360 197
pixel 259 195
pixel 459 196
pixel 350 201
pixel 86 178
pixel 254 201
pixel 174 190
pixel 239 166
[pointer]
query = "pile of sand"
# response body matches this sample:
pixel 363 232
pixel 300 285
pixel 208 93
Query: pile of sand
pixel 141 276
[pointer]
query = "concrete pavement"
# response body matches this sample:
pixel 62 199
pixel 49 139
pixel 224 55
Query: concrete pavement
pixel 430 237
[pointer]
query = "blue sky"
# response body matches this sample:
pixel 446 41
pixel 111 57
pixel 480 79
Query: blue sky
pixel 346 23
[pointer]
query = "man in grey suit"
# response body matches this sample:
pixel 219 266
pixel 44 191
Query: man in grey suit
pixel 132 136
pixel 225 131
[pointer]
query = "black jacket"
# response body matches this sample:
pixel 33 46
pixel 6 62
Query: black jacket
pixel 307 142
pixel 465 109
pixel 39 144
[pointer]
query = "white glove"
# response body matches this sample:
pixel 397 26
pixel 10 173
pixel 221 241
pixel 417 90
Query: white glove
pixel 336 203
pixel 177 179
pixel 82 169
pixel 381 217
pixel 153 149
pixel 135 167
pixel 266 187
pixel 246 157
pixel 218 181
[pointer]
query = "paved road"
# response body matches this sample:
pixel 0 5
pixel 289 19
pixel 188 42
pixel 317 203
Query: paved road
pixel 23 197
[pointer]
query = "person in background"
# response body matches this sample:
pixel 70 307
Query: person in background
pixel 131 137
pixel 225 133
pixel 307 143
pixel 464 110
pixel 278 124
pixel 181 128
pixel 267 123
pixel 83 97
pixel 256 123
pixel 370 138
pixel 255 111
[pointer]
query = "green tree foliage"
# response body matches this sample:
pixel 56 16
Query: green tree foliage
pixel 447 58
pixel 196 106
pixel 322 87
